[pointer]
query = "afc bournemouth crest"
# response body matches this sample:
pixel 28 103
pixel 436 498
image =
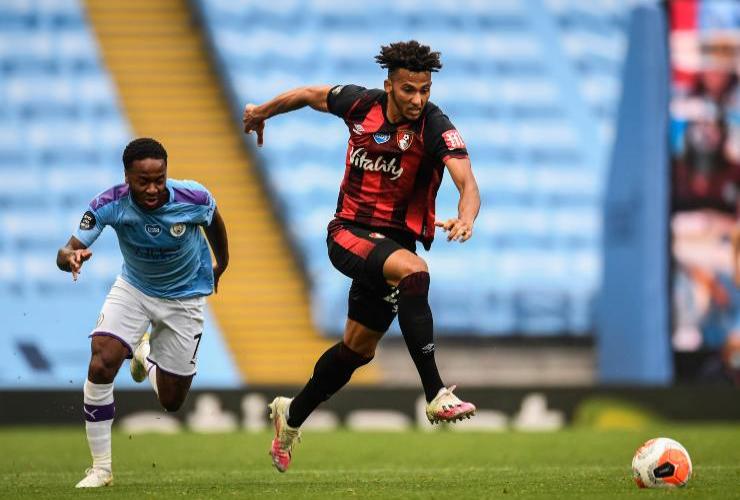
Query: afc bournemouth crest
pixel 404 139
pixel 177 230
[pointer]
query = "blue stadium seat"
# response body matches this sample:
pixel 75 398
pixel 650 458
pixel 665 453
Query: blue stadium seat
pixel 57 150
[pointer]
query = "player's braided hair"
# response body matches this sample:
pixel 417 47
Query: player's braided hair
pixel 142 148
pixel 410 55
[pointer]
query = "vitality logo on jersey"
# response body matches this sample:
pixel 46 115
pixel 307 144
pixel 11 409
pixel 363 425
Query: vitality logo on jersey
pixel 381 138
pixel 358 159
pixel 153 229
pixel 404 139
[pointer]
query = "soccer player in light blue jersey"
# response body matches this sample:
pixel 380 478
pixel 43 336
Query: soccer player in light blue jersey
pixel 167 273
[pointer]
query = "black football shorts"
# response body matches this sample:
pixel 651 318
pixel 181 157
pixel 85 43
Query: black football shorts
pixel 360 252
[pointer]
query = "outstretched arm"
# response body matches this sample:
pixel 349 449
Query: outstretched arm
pixel 217 238
pixel 461 228
pixel 254 116
pixel 71 256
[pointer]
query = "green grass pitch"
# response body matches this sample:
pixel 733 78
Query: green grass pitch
pixel 577 463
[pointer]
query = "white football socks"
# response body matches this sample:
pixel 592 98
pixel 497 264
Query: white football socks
pixel 99 413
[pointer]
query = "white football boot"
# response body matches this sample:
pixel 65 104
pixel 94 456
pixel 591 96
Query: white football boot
pixel 96 478
pixel 138 361
pixel 285 436
pixel 446 407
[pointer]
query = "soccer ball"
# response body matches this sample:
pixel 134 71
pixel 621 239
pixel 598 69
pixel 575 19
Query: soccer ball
pixel 661 463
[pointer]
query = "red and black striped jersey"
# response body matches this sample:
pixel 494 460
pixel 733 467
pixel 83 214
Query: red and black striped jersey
pixel 393 171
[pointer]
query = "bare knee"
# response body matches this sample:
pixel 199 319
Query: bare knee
pixel 103 368
pixel 413 266
pixel 361 339
pixel 107 356
pixel 402 263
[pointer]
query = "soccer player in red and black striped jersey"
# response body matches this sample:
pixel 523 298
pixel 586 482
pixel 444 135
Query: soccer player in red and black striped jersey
pixel 399 145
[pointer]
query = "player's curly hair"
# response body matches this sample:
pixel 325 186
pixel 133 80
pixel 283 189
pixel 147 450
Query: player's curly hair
pixel 410 55
pixel 142 148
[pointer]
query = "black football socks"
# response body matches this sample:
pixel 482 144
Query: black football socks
pixel 332 371
pixel 417 326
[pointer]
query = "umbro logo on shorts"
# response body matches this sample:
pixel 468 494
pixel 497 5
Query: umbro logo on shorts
pixel 392 298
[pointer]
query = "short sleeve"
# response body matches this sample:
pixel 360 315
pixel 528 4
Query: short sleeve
pixel 205 215
pixel 93 222
pixel 341 98
pixel 195 202
pixel 442 139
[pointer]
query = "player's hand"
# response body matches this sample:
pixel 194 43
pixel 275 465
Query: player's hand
pixel 253 122
pixel 456 229
pixel 217 272
pixel 75 260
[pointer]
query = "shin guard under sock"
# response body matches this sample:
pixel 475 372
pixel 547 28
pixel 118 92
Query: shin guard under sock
pixel 417 327
pixel 332 371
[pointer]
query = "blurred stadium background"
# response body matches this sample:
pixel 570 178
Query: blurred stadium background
pixel 574 297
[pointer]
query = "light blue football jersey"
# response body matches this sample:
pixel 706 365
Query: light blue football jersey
pixel 165 254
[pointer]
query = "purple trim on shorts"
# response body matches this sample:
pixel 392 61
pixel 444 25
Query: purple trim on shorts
pixel 113 194
pixel 113 335
pixel 94 413
pixel 167 371
pixel 191 196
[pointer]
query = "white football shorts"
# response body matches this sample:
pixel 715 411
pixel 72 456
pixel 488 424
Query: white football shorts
pixel 176 326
